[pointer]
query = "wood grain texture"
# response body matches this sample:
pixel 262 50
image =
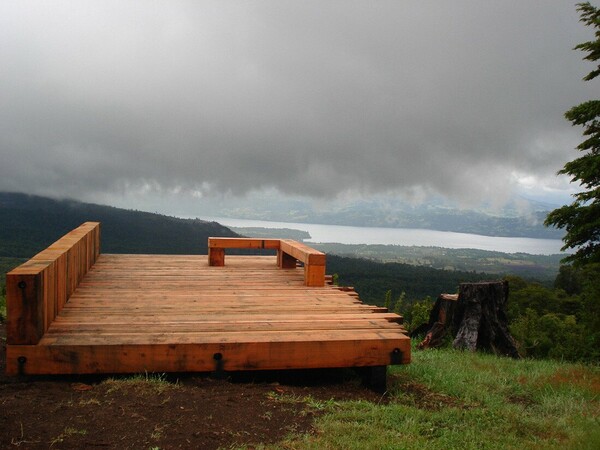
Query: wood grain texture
pixel 288 252
pixel 132 313
pixel 37 290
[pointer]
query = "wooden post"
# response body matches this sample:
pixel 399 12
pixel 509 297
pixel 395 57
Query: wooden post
pixel 314 261
pixel 374 377
pixel 216 256
pixel 25 308
pixel 314 275
pixel 285 261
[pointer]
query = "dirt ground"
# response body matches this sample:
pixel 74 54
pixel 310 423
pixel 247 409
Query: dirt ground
pixel 168 412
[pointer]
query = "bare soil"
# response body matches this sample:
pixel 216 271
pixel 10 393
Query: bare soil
pixel 183 411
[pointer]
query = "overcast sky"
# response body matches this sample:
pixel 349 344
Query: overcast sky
pixel 129 102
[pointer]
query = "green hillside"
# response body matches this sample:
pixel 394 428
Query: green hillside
pixel 29 223
pixel 373 279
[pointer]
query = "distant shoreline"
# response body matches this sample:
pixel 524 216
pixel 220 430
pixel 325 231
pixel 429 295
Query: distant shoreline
pixel 404 236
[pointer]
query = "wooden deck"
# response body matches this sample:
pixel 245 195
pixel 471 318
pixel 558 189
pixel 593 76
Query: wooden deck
pixel 157 313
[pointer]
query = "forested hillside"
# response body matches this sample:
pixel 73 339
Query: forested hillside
pixel 373 279
pixel 29 223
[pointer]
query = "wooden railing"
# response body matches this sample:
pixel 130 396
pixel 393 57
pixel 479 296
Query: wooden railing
pixel 288 253
pixel 37 290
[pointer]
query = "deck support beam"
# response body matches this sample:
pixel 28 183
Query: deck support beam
pixel 206 357
pixel 374 377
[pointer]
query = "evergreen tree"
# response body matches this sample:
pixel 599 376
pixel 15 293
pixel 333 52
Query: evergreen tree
pixel 581 219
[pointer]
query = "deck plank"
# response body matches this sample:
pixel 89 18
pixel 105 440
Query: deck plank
pixel 132 313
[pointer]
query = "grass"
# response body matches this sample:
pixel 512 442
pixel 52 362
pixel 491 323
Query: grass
pixel 455 400
pixel 311 404
pixel 146 383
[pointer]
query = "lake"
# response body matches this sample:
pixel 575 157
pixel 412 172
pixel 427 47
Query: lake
pixel 405 236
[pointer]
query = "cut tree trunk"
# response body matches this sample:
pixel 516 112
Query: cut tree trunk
pixel 480 320
pixel 436 329
pixel 476 318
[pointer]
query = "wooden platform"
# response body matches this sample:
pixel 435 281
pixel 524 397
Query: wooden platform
pixel 157 313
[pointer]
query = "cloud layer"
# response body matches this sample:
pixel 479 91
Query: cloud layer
pixel 310 98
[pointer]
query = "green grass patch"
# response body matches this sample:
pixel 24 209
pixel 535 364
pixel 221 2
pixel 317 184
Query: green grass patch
pixel 457 400
pixel 146 383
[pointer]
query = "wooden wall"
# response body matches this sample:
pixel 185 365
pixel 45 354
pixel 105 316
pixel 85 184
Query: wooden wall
pixel 37 290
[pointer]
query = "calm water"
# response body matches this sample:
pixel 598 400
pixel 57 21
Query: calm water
pixel 406 236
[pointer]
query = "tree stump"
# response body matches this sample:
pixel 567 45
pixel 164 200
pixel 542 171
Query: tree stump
pixel 436 329
pixel 480 320
pixel 476 318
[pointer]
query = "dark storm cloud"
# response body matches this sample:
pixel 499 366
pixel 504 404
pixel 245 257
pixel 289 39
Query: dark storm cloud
pixel 311 98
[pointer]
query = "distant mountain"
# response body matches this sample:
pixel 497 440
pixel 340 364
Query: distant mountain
pixel 28 224
pixel 518 218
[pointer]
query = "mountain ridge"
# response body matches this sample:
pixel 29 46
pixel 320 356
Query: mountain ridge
pixel 518 218
pixel 29 223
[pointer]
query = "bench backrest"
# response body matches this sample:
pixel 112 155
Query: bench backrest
pixel 37 290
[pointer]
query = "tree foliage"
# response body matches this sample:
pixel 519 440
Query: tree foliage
pixel 563 322
pixel 373 279
pixel 581 219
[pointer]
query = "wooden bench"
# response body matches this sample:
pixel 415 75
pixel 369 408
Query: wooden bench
pixel 289 253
